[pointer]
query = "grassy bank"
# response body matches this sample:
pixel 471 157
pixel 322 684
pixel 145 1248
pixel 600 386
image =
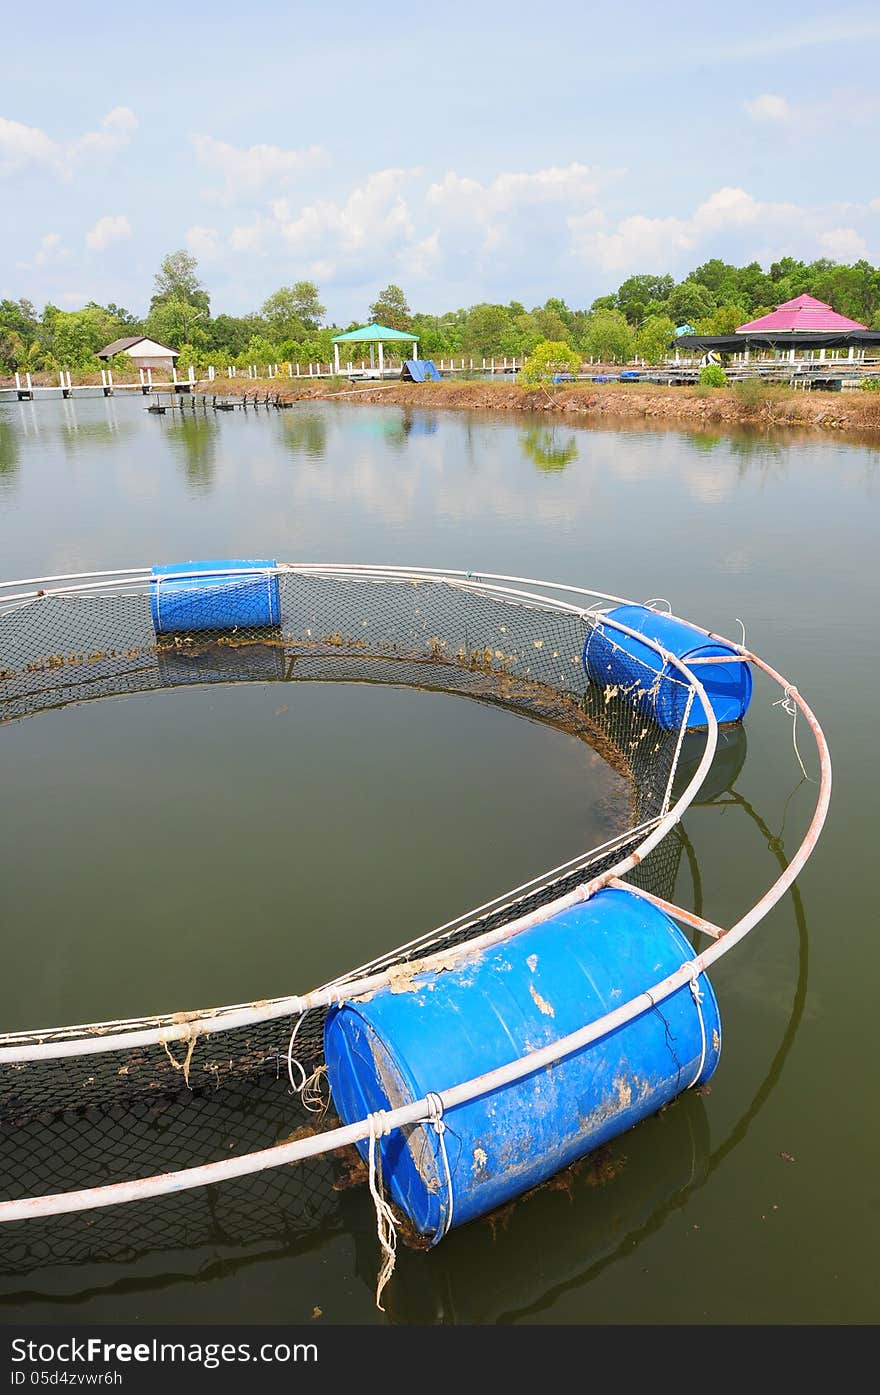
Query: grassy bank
pixel 750 404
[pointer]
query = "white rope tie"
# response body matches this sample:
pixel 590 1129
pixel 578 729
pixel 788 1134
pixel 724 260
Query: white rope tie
pixel 697 995
pixel 309 1087
pixel 295 1089
pixel 435 1116
pixel 386 1226
pixel 789 705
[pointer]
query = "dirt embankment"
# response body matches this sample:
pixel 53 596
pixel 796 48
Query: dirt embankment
pixel 853 411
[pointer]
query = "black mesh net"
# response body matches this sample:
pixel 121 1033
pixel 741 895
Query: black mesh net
pixel 135 1111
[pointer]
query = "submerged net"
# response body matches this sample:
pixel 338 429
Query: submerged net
pixel 135 1110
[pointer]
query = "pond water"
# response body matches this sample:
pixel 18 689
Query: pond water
pixel 202 845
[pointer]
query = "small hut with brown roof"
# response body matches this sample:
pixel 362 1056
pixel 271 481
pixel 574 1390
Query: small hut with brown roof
pixel 143 352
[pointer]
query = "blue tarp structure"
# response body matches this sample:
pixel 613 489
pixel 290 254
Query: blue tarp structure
pixel 420 370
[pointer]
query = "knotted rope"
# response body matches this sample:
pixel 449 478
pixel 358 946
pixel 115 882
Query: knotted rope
pixel 386 1226
pixel 788 704
pixel 435 1117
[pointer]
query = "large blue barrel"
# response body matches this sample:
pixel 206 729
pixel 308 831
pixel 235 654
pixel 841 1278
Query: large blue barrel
pixel 442 1029
pixel 247 600
pixel 612 658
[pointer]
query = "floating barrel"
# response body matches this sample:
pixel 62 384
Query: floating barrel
pixel 245 600
pixel 612 658
pixel 440 1029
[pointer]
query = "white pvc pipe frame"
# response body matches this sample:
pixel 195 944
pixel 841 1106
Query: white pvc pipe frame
pixel 419 1111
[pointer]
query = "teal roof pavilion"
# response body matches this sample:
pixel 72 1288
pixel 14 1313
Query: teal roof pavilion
pixel 373 334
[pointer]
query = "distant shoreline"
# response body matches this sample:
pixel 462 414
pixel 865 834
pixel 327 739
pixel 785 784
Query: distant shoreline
pixel 853 411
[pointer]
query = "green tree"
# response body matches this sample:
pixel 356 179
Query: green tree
pixel 229 334
pixel 292 311
pixel 654 338
pixel 637 292
pixel 485 328
pixel 852 290
pixel 690 302
pixel 725 320
pixel 176 322
pixel 391 309
pixel 124 321
pixel 550 358
pixel 19 330
pixel 73 338
pixel 550 325
pixel 177 281
pixel 609 337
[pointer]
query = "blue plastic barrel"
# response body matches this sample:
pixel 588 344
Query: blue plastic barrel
pixel 442 1029
pixel 245 600
pixel 612 658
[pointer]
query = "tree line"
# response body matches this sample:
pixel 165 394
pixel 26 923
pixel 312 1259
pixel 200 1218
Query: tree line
pixel 639 319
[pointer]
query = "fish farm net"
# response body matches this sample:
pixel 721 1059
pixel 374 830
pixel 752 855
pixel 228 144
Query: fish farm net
pixel 132 1098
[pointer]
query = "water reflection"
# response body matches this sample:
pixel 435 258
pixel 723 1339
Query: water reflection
pixel 549 447
pixel 80 433
pixel 9 450
pixel 703 441
pixel 304 433
pixel 194 439
pixel 399 429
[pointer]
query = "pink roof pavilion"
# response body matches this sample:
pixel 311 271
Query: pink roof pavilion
pixel 804 314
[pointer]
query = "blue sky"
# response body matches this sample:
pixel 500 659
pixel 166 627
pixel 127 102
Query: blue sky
pixel 467 152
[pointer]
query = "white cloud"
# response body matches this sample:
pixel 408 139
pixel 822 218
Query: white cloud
pixel 27 147
pixel 843 244
pixel 875 205
pixel 23 145
pixel 50 252
pixel 495 217
pixel 821 114
pixel 247 171
pixel 373 218
pixel 640 240
pixel 117 128
pixel 204 243
pixel 769 108
pixel 322 270
pixel 458 196
pixel 420 260
pixel 636 241
pixel 109 229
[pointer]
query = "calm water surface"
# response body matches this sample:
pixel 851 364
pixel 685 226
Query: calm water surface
pixel 194 846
